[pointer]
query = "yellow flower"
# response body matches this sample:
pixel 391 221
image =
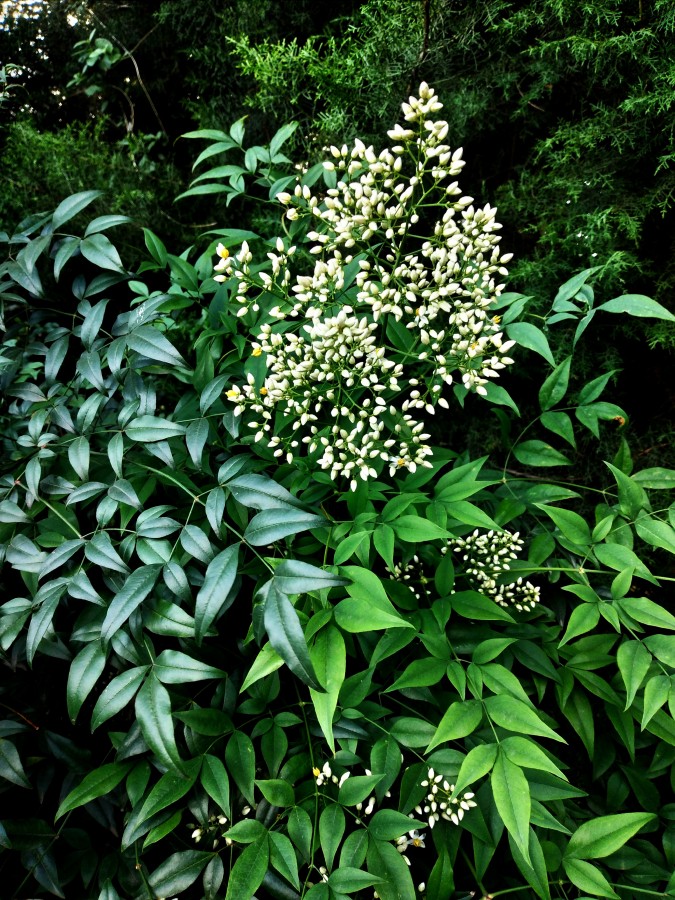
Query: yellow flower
pixel 257 351
pixel 496 319
pixel 263 390
pixel 233 393
pixel 222 251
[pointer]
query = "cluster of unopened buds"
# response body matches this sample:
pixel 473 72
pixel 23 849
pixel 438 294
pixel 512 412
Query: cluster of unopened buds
pixel 440 804
pixel 332 377
pixel 210 831
pixel 488 556
pixel 325 775
pixel 411 574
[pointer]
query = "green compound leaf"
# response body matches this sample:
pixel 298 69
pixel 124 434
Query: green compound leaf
pixel 153 711
pixel 214 596
pixel 460 719
pixel 96 784
pixel 286 636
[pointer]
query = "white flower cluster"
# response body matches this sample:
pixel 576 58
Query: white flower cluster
pixel 488 556
pixel 440 804
pixel 325 775
pixel 439 285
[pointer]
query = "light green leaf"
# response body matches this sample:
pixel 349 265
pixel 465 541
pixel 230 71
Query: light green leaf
pixel 656 533
pixel 384 861
pixel 100 551
pixel 583 619
pixel 571 524
pixel 293 576
pixel 283 859
pixel 388 824
pixel 534 871
pixel 619 557
pixel 331 831
pixel 656 478
pixel 555 387
pixel 249 870
pixel 656 694
pixel 539 454
pixel 633 660
pixel 240 759
pixel 477 763
pixel 276 791
pixel 511 793
pixel 515 715
pixel 588 878
pixel 357 788
pixel 266 662
pixel 527 335
pixel 460 719
pixel 260 492
pixel 603 835
pixel 415 529
pixel 527 754
pixel 637 305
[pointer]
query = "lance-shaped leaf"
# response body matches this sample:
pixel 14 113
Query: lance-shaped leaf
pixel 460 719
pixel 604 835
pixel 71 206
pixel 101 552
pixel 170 787
pixel 60 555
pixel 10 764
pixel 293 576
pixel 96 784
pixel 240 759
pixel 101 252
pixel 176 874
pixel 271 525
pixel 286 636
pixel 153 711
pixel 511 793
pixel 249 870
pixel 117 695
pixel 39 625
pixel 150 342
pixel 85 671
pixel 214 595
pixel 146 429
pixel 136 588
pixel 517 716
pixel 637 305
pixel 260 492
pixel 175 667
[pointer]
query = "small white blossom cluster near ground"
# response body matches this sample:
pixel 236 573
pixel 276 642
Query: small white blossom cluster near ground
pixel 439 802
pixel 488 556
pixel 397 302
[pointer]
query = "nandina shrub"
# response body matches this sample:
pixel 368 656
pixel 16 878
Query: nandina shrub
pixel 321 657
